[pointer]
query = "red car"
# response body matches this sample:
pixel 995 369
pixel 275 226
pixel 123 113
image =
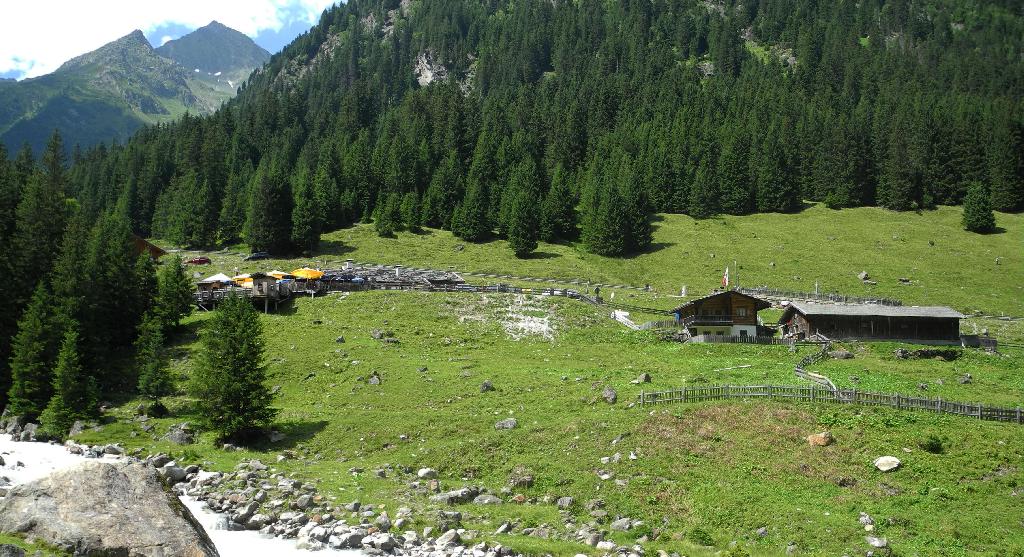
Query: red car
pixel 199 261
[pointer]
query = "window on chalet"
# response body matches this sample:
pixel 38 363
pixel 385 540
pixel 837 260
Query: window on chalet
pixel 741 312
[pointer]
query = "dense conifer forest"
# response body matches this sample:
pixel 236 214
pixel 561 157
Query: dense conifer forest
pixel 527 120
pixel 622 108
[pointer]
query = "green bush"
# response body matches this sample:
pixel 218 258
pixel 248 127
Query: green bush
pixel 700 536
pixel 932 444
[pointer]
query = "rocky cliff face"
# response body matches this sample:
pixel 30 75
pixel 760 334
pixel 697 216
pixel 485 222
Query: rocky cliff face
pixel 100 508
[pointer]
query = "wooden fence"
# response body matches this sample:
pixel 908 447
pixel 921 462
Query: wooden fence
pixel 815 394
pixel 776 293
pixel 729 339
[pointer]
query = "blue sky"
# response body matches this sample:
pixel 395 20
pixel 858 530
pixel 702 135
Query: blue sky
pixel 34 41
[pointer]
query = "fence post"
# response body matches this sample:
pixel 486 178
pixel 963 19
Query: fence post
pixel 980 409
pixel 898 406
pixel 1018 416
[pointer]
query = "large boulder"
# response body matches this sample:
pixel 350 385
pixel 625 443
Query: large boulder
pixel 102 508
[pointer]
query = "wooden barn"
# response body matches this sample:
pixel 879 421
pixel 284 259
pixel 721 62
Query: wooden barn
pixel 926 324
pixel 727 313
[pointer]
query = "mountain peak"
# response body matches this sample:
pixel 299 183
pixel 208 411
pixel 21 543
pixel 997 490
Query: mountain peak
pixel 214 48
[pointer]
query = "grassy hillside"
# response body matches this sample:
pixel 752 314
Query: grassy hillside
pixel 703 473
pixel 947 265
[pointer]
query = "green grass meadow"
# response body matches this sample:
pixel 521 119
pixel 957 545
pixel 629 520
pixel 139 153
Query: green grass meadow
pixel 704 474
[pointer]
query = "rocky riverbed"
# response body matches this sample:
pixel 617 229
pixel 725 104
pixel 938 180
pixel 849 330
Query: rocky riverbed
pixel 237 512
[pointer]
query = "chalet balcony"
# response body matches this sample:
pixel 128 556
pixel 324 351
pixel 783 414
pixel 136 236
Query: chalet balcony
pixel 712 320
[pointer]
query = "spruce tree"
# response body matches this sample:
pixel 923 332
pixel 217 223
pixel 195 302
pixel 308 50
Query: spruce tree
pixel 978 215
pixel 470 221
pixel 33 352
pixel 151 360
pixel 268 225
pixel 558 210
pixel 75 395
pixel 388 217
pixel 522 226
pixel 307 215
pixel 410 211
pixel 174 294
pixel 702 194
pixel 228 382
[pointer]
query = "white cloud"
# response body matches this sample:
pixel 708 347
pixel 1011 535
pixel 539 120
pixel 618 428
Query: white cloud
pixel 165 39
pixel 36 37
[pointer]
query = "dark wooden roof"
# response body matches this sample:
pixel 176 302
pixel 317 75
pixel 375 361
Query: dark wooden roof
pixel 759 304
pixel 141 246
pixel 868 310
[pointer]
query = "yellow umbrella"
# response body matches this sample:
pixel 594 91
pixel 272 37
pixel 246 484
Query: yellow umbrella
pixel 242 279
pixel 279 274
pixel 307 273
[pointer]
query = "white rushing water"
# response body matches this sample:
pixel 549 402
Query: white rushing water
pixel 41 459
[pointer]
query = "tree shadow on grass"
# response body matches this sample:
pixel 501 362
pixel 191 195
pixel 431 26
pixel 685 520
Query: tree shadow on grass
pixel 294 432
pixel 542 255
pixel 653 248
pixel 333 247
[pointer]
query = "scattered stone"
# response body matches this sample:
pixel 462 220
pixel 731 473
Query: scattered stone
pixel 8 550
pixel 374 378
pixel 181 434
pixel 841 355
pixel 623 524
pixel 451 537
pixel 762 531
pixel 865 519
pixel 643 378
pixel 486 386
pixel 887 463
pixel 565 502
pixel 609 395
pixel 877 543
pixel 426 473
pixel 863 275
pixel 965 379
pixel 507 423
pixel 487 499
pixel 340 340
pixel 822 439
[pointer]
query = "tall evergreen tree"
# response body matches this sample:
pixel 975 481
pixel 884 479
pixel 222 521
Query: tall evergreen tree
pixel 34 350
pixel 268 224
pixel 75 395
pixel 229 380
pixel 978 216
pixel 558 220
pixel 151 360
pixel 470 220
pixel 174 294
pixel 522 226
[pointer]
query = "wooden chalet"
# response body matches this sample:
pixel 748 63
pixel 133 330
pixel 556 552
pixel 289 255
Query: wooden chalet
pixel 925 324
pixel 141 245
pixel 728 313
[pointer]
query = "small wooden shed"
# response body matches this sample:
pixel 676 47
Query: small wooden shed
pixel 928 324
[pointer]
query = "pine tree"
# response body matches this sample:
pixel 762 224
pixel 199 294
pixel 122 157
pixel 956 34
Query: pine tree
pixel 604 222
pixel 33 351
pixel 410 211
pixel 151 360
pixel 470 221
pixel 268 225
pixel 228 382
pixel 307 216
pixel 702 194
pixel 174 294
pixel 75 395
pixel 558 210
pixel 388 217
pixel 978 215
pixel 522 226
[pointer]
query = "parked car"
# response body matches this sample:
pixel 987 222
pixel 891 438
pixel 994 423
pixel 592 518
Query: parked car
pixel 198 261
pixel 256 256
